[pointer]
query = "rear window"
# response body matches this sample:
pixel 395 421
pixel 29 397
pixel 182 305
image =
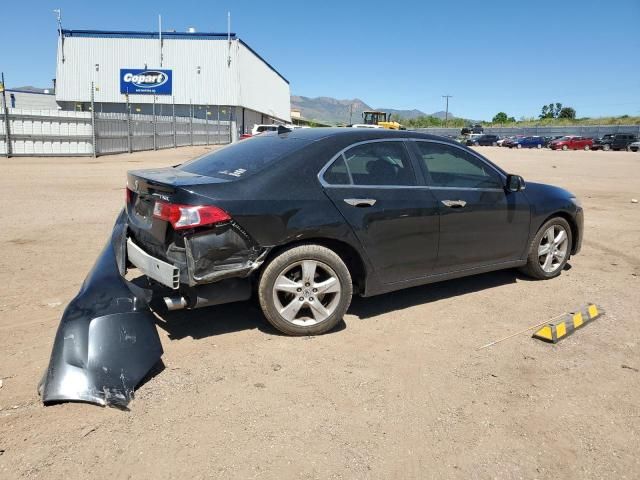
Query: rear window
pixel 244 158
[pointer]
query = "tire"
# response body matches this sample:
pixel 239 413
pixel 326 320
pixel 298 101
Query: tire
pixel 304 317
pixel 565 148
pixel 586 148
pixel 635 149
pixel 534 268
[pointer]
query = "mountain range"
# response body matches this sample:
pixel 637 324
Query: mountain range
pixel 333 111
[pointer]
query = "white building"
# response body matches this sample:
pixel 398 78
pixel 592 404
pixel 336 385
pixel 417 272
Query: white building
pixel 195 74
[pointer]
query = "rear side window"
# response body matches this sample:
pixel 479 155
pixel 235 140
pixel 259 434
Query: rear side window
pixel 244 158
pixel 373 164
pixel 449 166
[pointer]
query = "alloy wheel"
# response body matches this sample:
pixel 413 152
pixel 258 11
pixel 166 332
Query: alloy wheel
pixel 306 293
pixel 553 248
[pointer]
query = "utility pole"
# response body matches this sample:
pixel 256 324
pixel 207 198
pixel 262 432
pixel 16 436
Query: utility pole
pixel 350 113
pixel 7 125
pixel 446 112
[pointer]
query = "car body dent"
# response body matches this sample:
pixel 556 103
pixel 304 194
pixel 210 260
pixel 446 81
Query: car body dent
pixel 107 339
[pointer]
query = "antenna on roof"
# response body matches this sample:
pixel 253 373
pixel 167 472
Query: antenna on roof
pixel 58 13
pixel 160 36
pixel 229 38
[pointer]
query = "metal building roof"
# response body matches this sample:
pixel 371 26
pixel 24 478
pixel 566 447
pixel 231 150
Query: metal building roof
pixel 165 36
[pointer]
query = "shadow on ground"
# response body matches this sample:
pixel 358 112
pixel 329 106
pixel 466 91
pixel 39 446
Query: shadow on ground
pixel 235 317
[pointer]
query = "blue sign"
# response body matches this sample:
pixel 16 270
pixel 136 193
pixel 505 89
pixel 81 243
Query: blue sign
pixel 146 82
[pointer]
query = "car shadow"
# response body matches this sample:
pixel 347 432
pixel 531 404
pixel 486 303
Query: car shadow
pixel 239 316
pixel 217 320
pixel 364 308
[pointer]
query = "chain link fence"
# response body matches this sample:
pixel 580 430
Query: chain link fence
pixel 66 133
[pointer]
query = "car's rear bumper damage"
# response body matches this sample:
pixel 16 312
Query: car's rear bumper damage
pixel 107 339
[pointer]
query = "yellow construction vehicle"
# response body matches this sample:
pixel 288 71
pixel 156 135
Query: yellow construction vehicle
pixel 381 119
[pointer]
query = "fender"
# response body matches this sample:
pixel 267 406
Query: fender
pixel 107 339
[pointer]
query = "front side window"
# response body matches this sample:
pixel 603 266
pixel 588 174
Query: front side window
pixel 449 166
pixel 374 164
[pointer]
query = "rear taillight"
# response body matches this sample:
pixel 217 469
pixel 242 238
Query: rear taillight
pixel 128 195
pixel 189 216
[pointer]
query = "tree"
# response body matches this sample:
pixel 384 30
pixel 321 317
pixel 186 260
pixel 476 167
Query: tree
pixel 557 110
pixel 500 117
pixel 567 112
pixel 545 112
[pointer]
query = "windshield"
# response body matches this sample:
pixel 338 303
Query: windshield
pixel 244 158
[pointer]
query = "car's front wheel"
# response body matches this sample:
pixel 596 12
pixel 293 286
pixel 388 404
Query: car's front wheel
pixel 305 290
pixel 549 250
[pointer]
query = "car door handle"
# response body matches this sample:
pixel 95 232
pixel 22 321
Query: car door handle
pixel 454 203
pixel 360 202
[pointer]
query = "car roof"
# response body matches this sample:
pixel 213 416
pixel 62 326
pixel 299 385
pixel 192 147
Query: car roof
pixel 357 134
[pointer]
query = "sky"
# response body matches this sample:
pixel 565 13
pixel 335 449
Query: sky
pixel 491 56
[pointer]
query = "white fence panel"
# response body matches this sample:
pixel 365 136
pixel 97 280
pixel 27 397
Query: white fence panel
pixel 56 132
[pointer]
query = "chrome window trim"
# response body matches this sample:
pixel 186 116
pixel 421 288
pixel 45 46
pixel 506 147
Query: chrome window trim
pixel 395 187
pixel 341 153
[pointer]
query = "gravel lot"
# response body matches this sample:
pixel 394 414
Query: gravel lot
pixel 400 391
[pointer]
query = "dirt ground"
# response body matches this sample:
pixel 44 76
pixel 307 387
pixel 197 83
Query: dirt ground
pixel 399 391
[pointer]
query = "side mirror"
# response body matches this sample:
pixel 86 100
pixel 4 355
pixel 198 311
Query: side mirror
pixel 515 183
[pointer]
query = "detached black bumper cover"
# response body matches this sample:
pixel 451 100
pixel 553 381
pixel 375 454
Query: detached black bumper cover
pixel 107 339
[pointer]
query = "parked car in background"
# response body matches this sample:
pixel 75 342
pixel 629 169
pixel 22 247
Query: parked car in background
pixel 501 142
pixel 476 128
pixel 510 142
pixel 634 147
pixel 572 142
pixel 622 140
pixel 484 140
pixel 527 142
pixel 603 143
pixel 549 139
pixel 263 128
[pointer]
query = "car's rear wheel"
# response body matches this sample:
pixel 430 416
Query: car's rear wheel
pixel 564 147
pixel 305 290
pixel 549 250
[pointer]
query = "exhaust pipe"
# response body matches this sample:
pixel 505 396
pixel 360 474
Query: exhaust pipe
pixel 176 302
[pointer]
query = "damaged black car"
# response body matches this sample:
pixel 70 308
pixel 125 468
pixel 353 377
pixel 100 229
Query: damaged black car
pixel 303 219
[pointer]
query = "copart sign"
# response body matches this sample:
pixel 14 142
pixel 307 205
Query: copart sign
pixel 140 81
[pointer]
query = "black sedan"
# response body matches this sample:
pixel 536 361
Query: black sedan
pixel 311 216
pixel 305 219
pixel 486 140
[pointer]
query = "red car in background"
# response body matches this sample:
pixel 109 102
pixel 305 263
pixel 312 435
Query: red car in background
pixel 572 142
